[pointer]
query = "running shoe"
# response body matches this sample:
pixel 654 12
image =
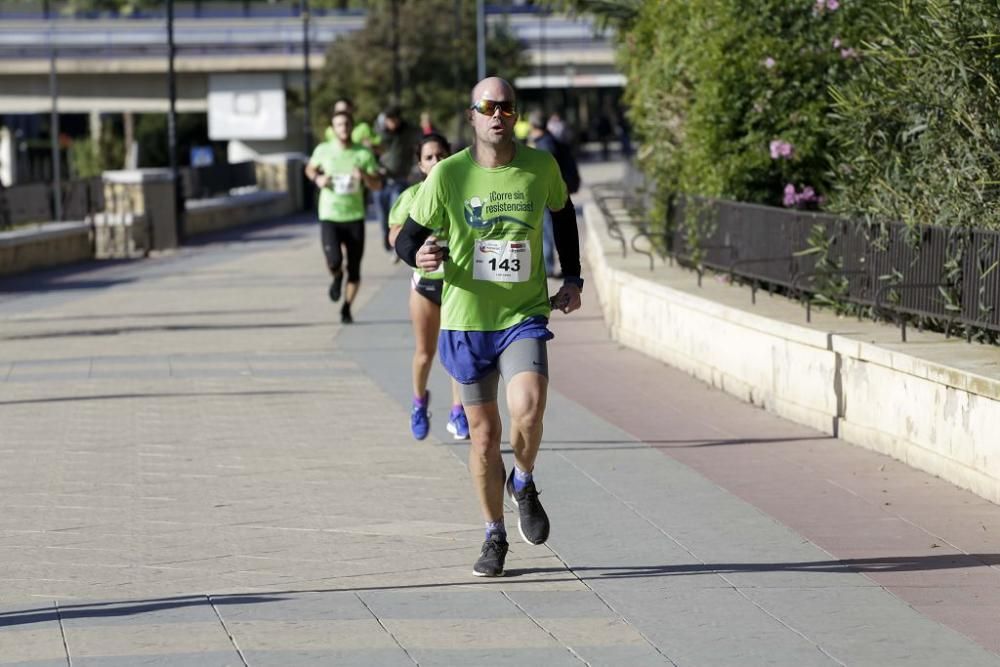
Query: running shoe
pixel 335 288
pixel 420 419
pixel 490 561
pixel 458 424
pixel 532 522
pixel 345 314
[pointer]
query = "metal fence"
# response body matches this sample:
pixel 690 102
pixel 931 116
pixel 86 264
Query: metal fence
pixel 217 179
pixel 948 274
pixel 32 202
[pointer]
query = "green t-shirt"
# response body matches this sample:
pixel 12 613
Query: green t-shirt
pixel 361 132
pixel 397 218
pixel 343 200
pixel 495 275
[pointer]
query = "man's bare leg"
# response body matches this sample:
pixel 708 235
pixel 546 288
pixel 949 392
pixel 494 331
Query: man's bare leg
pixel 526 396
pixel 485 462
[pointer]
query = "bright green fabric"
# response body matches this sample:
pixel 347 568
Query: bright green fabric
pixel 362 132
pixel 344 200
pixel 470 204
pixel 359 134
pixel 397 218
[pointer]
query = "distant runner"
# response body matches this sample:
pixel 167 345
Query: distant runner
pixel 341 169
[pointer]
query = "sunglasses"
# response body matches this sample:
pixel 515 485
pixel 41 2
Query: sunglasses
pixel 489 107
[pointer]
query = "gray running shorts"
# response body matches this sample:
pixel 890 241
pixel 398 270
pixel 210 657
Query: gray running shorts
pixel 524 354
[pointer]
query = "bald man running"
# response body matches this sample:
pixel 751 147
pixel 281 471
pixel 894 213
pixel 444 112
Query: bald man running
pixel 487 201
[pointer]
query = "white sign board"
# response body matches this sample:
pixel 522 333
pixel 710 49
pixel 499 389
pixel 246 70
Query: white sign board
pixel 246 106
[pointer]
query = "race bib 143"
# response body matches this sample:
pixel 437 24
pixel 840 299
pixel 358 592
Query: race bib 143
pixel 502 261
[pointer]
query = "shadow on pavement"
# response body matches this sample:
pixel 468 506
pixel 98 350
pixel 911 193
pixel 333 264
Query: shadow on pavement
pixel 581 573
pixel 847 565
pixel 163 327
pixel 601 445
pixel 265 231
pixel 180 313
pixel 116 397
pixel 116 609
pixel 556 445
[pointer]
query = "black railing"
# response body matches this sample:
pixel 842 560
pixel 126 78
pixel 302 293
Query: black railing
pixel 32 202
pixel 217 179
pixel 949 275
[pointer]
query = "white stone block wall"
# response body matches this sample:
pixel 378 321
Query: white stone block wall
pixel 936 418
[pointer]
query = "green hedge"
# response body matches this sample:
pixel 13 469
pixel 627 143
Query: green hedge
pixel 918 125
pixel 884 108
pixel 731 98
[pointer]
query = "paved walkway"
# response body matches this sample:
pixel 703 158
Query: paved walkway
pixel 200 466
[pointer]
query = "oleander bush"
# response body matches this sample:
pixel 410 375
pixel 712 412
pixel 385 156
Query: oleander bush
pixel 731 99
pixel 917 126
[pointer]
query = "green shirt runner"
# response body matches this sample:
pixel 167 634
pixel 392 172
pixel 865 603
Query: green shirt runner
pixel 397 217
pixel 343 200
pixel 492 218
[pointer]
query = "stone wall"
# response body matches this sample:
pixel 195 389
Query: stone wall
pixel 932 403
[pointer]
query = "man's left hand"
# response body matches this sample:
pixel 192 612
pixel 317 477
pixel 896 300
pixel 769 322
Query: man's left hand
pixel 567 299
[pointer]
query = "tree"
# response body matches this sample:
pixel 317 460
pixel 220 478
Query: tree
pixel 437 61
pixel 125 7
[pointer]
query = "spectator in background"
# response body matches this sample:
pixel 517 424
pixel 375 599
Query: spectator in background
pixel 5 221
pixel 396 158
pixel 542 139
pixel 604 132
pixel 522 129
pixel 426 126
pixel 624 133
pixel 556 127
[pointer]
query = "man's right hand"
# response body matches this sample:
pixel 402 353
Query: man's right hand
pixel 430 255
pixel 322 181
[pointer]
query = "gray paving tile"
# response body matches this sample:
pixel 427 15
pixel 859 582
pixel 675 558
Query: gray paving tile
pixel 31 635
pixel 291 606
pixel 562 604
pixel 710 627
pixel 199 659
pixel 550 657
pixel 346 658
pixel 617 656
pixel 440 605
pixel 864 626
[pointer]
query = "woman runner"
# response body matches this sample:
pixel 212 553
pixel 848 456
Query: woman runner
pixel 425 305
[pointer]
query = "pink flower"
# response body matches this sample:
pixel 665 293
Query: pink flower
pixel 780 149
pixel 832 5
pixel 791 198
pixel 794 199
pixel 836 42
pixel 848 54
pixel 769 62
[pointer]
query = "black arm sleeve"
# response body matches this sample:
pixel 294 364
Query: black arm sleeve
pixel 410 238
pixel 567 238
